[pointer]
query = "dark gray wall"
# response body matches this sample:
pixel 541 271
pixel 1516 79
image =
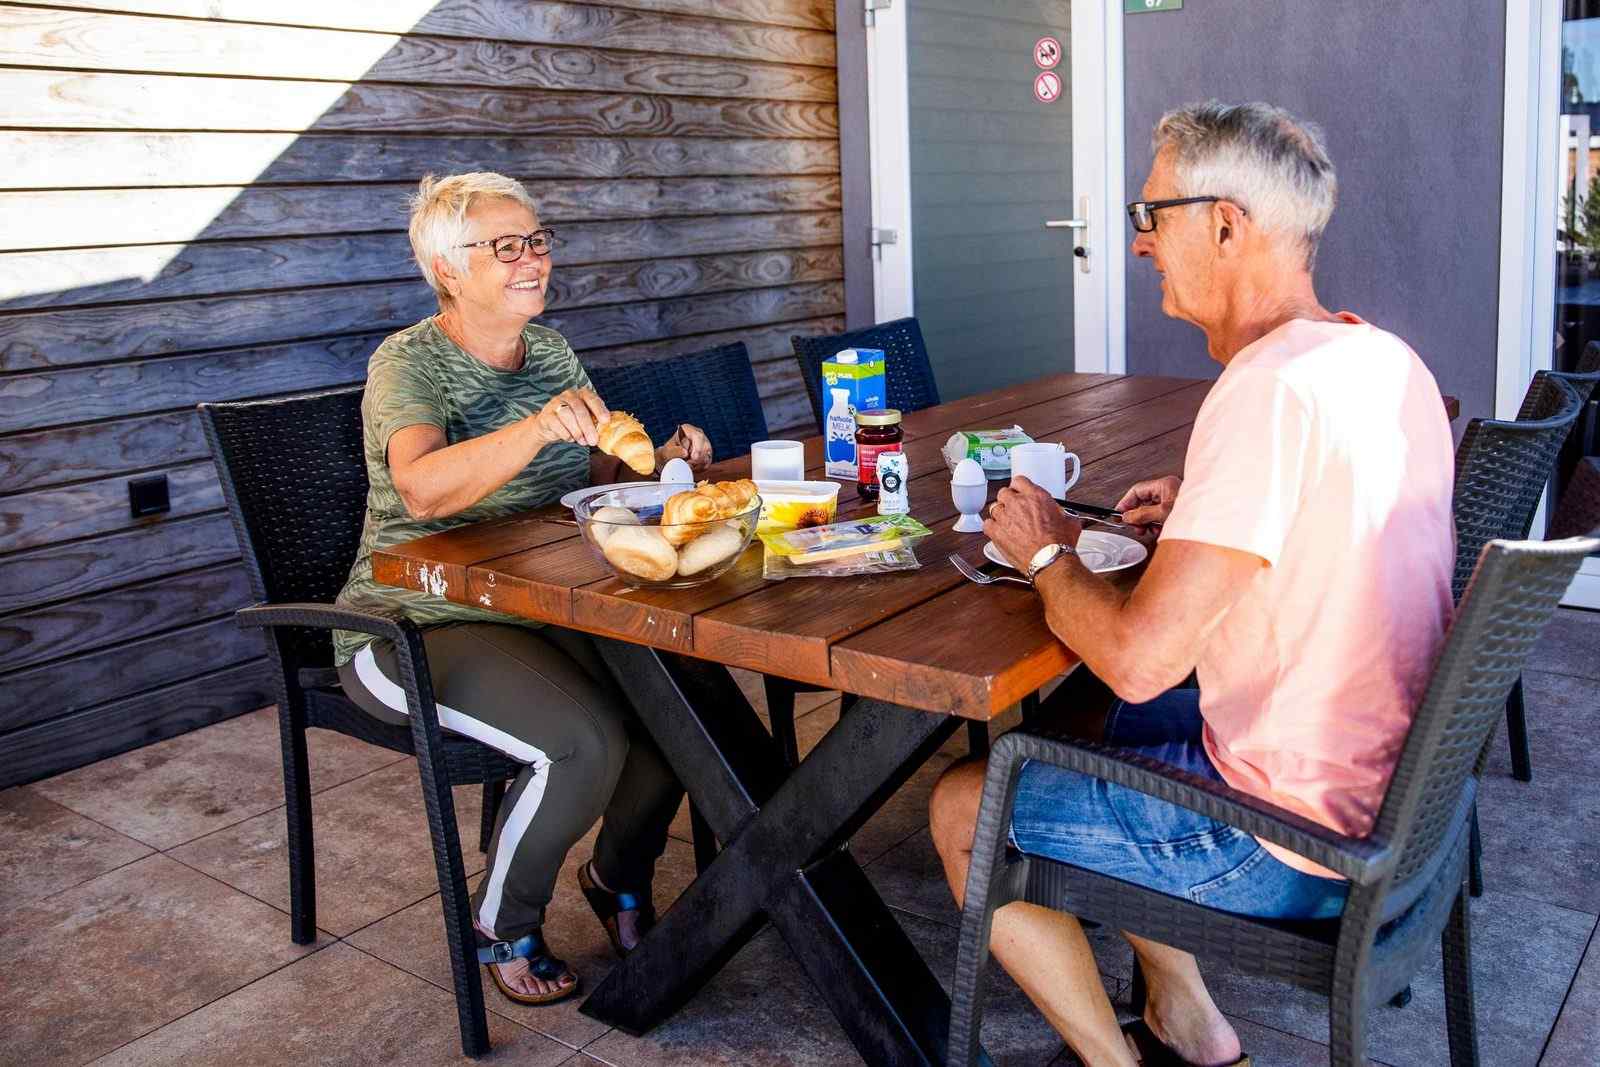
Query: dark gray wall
pixel 1411 98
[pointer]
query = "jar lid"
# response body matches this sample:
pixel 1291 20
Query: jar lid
pixel 878 417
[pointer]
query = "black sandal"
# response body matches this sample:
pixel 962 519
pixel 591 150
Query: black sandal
pixel 542 964
pixel 1153 1052
pixel 608 905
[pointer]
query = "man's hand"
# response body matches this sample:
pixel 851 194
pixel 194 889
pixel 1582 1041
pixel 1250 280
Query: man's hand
pixel 689 444
pixel 1149 502
pixel 1025 518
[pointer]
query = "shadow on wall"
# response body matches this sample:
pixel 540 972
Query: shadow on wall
pixel 298 278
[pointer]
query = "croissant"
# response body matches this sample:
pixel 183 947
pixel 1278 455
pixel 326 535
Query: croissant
pixel 689 506
pixel 741 492
pixel 623 436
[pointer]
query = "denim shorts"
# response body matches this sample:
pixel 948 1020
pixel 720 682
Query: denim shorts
pixel 1082 820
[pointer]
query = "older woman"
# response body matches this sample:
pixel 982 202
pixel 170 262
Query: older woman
pixel 471 414
pixel 1303 573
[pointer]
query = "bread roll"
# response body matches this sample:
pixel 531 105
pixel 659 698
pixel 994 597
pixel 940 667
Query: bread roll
pixel 623 436
pixel 706 552
pixel 604 522
pixel 641 551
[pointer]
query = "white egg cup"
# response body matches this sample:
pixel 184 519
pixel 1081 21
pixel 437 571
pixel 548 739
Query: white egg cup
pixel 969 500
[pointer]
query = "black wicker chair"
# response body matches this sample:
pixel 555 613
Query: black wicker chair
pixel 1501 471
pixel 908 376
pixel 714 389
pixel 295 480
pixel 1406 879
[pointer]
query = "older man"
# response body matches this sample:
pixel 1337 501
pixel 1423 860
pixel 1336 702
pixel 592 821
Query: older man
pixel 1303 573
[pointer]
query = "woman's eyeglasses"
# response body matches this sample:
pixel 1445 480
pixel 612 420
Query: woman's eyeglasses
pixel 508 248
pixel 1142 213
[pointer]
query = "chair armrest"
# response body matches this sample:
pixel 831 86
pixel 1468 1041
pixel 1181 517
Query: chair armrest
pixel 1362 860
pixel 411 658
pixel 327 617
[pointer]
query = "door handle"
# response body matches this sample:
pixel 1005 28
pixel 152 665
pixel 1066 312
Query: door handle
pixel 1080 249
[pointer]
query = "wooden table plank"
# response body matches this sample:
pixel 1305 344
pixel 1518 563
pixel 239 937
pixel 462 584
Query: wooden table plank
pixel 926 658
pixel 784 630
pixel 438 563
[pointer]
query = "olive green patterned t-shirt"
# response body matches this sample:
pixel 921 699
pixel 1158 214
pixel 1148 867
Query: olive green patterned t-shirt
pixel 419 376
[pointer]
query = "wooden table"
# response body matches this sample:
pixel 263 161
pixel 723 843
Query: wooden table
pixel 923 639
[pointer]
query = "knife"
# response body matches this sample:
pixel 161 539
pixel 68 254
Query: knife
pixel 1108 516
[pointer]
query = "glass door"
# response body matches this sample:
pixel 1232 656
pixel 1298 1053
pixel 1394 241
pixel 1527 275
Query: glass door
pixel 1577 283
pixel 991 133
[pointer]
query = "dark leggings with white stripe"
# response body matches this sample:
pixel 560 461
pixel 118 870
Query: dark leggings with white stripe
pixel 545 698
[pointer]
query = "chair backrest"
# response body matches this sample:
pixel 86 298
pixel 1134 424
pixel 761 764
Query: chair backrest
pixel 714 389
pixel 1501 470
pixel 294 475
pixel 908 375
pixel 1512 595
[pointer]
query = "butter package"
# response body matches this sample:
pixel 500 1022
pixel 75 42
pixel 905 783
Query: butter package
pixel 797 505
pixel 991 449
pixel 853 380
pixel 877 533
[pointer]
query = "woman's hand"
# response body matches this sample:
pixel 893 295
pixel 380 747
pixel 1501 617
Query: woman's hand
pixel 573 415
pixel 689 444
pixel 1024 518
pixel 1149 502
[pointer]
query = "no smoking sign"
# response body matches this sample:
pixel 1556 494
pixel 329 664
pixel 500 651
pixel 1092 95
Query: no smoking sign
pixel 1047 87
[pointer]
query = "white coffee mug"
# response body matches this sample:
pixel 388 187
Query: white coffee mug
pixel 778 461
pixel 1045 465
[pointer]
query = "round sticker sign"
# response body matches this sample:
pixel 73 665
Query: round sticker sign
pixel 1047 52
pixel 1047 87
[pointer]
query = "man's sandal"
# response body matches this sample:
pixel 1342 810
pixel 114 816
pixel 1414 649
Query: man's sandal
pixel 608 905
pixel 541 965
pixel 1154 1053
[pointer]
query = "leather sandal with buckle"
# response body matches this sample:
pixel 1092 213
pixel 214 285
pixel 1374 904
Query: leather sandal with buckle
pixel 541 965
pixel 1153 1052
pixel 608 905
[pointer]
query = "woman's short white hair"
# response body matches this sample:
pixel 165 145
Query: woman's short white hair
pixel 1258 156
pixel 439 217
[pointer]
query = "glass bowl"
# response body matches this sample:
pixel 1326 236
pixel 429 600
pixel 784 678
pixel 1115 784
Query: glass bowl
pixel 643 561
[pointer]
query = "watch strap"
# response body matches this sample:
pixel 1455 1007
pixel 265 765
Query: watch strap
pixel 1034 570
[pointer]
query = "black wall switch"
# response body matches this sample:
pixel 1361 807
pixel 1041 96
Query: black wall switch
pixel 148 496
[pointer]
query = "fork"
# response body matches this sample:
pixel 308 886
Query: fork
pixel 972 574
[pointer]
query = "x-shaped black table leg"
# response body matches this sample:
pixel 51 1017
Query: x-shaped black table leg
pixel 783 858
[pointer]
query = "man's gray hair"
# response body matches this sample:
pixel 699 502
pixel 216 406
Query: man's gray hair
pixel 1258 156
pixel 439 217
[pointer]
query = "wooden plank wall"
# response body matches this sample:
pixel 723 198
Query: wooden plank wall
pixel 204 200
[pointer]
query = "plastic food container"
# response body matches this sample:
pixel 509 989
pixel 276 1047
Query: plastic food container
pixel 797 505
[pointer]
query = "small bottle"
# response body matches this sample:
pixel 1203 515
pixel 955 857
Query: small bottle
pixel 877 431
pixel 894 472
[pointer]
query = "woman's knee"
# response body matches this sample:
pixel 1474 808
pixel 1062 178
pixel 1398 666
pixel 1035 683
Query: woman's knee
pixel 953 806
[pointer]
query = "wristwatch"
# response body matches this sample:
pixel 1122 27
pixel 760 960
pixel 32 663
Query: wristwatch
pixel 1046 556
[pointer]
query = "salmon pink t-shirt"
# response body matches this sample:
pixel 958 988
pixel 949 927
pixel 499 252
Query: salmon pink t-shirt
pixel 1323 449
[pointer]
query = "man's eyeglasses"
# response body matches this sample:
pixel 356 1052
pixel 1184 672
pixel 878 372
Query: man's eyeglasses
pixel 508 248
pixel 1142 213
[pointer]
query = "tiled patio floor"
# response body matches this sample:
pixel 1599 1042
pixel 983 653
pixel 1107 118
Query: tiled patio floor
pixel 142 902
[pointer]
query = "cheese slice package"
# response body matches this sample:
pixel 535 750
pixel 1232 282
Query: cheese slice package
pixel 817 544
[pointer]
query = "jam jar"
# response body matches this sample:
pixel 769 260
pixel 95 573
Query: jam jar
pixel 877 430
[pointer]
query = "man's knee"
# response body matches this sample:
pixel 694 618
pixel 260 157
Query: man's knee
pixel 953 806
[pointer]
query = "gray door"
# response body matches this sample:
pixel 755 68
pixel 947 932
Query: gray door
pixel 990 163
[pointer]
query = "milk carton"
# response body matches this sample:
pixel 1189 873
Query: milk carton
pixel 854 380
